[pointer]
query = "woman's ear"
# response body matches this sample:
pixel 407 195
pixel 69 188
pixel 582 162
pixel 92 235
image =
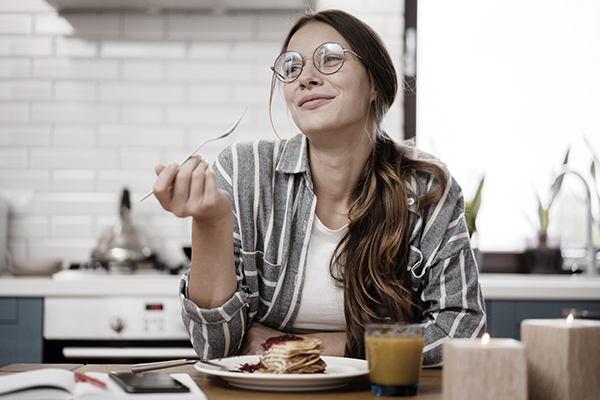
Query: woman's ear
pixel 373 93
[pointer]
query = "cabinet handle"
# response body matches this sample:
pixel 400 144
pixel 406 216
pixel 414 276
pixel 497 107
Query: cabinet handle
pixel 129 352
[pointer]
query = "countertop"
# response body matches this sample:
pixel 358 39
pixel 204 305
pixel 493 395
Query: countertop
pixel 66 283
pixel 493 286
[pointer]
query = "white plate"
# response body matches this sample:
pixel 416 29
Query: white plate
pixel 339 372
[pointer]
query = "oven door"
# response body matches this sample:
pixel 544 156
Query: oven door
pixel 114 330
pixel 115 351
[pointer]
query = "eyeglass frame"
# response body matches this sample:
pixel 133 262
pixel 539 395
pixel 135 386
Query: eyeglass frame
pixel 278 75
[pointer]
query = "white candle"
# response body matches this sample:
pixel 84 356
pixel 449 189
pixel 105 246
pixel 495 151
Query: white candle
pixel 476 369
pixel 563 358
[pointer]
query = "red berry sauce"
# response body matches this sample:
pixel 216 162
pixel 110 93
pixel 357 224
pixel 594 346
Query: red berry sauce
pixel 278 340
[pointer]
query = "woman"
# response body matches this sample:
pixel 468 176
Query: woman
pixel 331 229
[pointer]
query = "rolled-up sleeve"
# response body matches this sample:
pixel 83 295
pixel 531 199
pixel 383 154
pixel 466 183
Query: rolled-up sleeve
pixel 446 277
pixel 216 332
pixel 219 332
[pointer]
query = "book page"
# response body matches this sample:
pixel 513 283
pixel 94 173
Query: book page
pixel 48 383
pixel 59 384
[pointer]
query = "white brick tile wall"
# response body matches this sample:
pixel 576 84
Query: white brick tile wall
pixel 30 226
pixel 142 49
pixel 140 136
pixel 24 135
pixel 90 103
pixel 25 90
pixel 14 68
pixel 134 114
pixel 74 180
pixel 73 158
pixel 75 203
pixel 73 113
pixel 152 71
pixel 69 226
pixel 23 179
pixel 209 51
pixel 26 46
pixel 256 51
pixel 14 113
pixel 75 247
pixel 74 47
pixel 21 6
pixel 135 180
pixel 210 93
pixel 144 158
pixel 74 135
pixel 207 116
pixel 75 91
pixel 270 28
pixel 103 70
pixel 15 24
pixel 120 92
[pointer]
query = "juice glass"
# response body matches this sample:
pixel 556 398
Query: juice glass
pixel 395 354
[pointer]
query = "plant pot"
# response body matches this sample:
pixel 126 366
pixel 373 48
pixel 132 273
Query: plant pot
pixel 544 260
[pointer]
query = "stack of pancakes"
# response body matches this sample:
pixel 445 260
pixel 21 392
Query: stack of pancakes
pixel 291 354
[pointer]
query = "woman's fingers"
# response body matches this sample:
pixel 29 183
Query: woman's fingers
pixel 182 187
pixel 197 186
pixel 163 183
pixel 158 169
pixel 191 190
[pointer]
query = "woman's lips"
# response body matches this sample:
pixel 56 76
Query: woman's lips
pixel 313 100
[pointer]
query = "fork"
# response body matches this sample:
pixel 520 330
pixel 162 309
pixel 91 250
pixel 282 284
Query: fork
pixel 173 363
pixel 224 135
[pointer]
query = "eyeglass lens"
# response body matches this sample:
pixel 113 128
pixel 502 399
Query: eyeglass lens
pixel 327 58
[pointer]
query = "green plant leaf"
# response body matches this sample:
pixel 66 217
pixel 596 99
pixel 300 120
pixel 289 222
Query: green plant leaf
pixel 472 209
pixel 543 216
pixel 556 186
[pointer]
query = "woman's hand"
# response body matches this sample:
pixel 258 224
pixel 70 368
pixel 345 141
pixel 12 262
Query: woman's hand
pixel 256 335
pixel 191 191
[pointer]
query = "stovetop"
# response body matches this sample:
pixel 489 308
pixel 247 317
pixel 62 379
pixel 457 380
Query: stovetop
pixel 96 270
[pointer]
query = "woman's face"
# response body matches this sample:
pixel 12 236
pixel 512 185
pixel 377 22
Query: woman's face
pixel 319 103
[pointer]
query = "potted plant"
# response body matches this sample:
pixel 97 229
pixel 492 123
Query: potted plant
pixel 545 257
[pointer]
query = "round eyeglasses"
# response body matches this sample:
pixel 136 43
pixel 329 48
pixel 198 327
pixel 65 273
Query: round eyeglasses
pixel 328 58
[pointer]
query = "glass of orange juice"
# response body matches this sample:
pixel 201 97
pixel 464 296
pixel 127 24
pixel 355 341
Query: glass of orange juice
pixel 395 354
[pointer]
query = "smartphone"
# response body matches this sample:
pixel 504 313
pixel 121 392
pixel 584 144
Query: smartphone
pixel 148 382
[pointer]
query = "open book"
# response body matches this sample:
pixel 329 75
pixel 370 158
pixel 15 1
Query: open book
pixel 60 384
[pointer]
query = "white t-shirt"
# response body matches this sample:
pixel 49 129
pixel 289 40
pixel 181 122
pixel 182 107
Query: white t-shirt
pixel 322 303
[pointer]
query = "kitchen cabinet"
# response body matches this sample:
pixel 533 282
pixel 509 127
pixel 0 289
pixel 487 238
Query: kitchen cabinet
pixel 509 298
pixel 21 330
pixel 504 316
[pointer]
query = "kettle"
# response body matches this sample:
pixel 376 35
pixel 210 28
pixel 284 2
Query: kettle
pixel 123 243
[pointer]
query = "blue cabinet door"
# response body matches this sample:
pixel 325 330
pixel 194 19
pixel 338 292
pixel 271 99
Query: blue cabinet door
pixel 21 336
pixel 504 316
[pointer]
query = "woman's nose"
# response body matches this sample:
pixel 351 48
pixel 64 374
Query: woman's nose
pixel 310 75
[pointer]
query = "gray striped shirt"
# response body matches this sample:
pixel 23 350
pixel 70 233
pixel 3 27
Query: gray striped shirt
pixel 273 211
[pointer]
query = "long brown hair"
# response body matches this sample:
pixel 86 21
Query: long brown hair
pixel 370 260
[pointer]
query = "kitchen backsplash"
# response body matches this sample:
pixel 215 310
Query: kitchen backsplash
pixel 90 103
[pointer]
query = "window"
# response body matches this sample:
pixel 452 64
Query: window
pixel 504 88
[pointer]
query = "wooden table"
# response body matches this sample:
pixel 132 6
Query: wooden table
pixel 430 387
